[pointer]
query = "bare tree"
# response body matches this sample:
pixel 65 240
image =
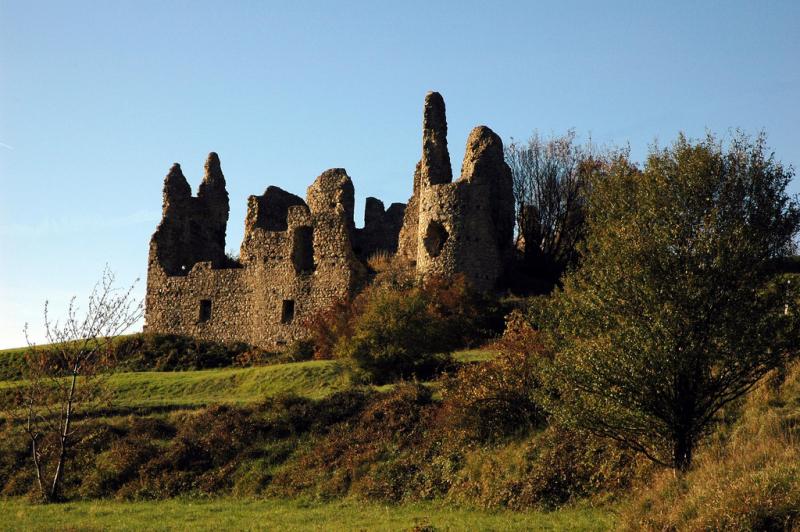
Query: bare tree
pixel 65 379
pixel 549 181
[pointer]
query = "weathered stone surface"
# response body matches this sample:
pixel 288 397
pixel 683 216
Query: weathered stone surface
pixel 484 164
pixel 192 229
pixel 407 240
pixel 176 188
pixel 435 163
pixel 476 213
pixel 433 168
pixel 271 210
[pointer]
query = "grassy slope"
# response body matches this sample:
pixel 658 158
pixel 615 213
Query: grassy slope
pixel 313 379
pixel 12 360
pixel 747 477
pixel 249 514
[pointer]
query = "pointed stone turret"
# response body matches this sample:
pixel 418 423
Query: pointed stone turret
pixel 483 157
pixel 176 188
pixel 213 179
pixel 435 165
pixel 212 190
pixel 373 211
pixel 432 169
pixel 213 195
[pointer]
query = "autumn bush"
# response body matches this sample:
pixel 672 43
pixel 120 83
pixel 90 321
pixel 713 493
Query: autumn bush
pixel 362 455
pixel 396 336
pixel 499 398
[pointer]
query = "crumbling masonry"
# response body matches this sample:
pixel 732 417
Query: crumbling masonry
pixel 298 257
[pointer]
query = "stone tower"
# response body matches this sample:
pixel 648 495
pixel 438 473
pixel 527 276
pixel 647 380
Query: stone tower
pixel 464 226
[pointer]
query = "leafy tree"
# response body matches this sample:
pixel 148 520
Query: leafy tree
pixel 676 310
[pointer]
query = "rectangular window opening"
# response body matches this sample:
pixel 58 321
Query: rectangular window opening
pixel 205 310
pixel 287 311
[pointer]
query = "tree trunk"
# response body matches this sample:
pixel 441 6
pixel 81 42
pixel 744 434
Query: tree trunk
pixel 38 466
pixel 64 440
pixel 682 453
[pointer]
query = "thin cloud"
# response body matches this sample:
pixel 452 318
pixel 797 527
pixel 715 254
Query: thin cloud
pixel 6 146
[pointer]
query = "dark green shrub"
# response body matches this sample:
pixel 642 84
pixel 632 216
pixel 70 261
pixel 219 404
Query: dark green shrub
pixel 421 320
pixel 299 350
pixel 118 465
pixel 396 336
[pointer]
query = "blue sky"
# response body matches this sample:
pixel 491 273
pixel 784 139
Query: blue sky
pixel 98 99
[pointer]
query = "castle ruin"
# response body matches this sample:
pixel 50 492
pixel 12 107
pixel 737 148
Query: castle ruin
pixel 300 256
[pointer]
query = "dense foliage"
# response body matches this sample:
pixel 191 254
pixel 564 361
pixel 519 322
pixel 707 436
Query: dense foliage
pixel 675 311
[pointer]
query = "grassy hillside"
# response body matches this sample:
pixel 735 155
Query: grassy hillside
pixel 747 477
pixel 248 514
pixel 12 360
pixel 313 379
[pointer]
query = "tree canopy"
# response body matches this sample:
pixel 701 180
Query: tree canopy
pixel 676 309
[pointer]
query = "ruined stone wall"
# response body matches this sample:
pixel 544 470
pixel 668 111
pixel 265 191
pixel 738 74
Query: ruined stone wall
pixel 465 226
pixel 296 258
pixel 192 229
pixel 174 303
pixel 273 223
pixel 300 256
pixel 407 239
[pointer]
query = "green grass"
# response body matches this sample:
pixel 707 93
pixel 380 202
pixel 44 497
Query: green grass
pixel 271 514
pixel 314 379
pixel 150 389
pixel 474 355
pixel 156 389
pixel 11 363
pixel 12 360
